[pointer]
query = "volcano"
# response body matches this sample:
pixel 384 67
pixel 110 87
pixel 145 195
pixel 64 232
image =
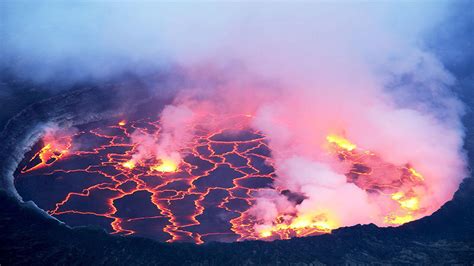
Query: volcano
pixel 236 134
pixel 82 178
pixel 87 176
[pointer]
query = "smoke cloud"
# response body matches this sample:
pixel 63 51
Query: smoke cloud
pixel 302 72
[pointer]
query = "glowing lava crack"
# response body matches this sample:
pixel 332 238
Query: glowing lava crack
pixel 89 177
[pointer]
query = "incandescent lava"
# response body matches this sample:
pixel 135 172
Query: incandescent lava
pixel 89 177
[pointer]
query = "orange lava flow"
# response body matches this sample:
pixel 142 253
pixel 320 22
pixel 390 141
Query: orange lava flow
pixel 204 197
pixel 367 171
pixel 396 182
pixel 52 151
pixel 214 177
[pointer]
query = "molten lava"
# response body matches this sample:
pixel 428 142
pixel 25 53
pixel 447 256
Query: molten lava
pixel 299 226
pixel 341 142
pixel 166 166
pixel 129 164
pixel 204 197
pixel 53 150
pixel 367 171
pixel 364 161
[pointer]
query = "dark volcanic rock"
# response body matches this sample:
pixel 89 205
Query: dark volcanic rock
pixel 28 238
pixel 447 237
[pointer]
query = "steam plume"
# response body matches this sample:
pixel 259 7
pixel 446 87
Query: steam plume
pixel 302 72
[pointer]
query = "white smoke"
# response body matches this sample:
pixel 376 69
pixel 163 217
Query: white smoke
pixel 301 70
